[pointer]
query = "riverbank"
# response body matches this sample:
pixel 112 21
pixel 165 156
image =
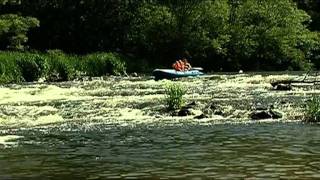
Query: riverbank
pixel 134 100
pixel 56 66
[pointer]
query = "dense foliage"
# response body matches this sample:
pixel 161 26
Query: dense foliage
pixel 57 66
pixel 215 34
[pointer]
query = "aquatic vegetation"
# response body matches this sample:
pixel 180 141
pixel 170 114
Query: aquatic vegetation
pixel 174 96
pixel 312 111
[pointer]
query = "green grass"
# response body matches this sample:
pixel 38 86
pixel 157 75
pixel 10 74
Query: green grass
pixel 312 111
pixel 55 65
pixel 174 96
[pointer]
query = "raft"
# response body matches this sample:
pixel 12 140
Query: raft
pixel 171 73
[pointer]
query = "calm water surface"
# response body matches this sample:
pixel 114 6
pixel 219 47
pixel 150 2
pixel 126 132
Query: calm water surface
pixel 154 151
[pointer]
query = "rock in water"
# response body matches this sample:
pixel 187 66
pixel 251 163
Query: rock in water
pixel 271 114
pixel 283 87
pixel 257 115
pixel 184 112
pixel 134 74
pixel 275 114
pixel 201 116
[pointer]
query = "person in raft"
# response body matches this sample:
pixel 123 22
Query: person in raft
pixel 181 65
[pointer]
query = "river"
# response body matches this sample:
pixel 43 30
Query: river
pixel 185 151
pixel 117 129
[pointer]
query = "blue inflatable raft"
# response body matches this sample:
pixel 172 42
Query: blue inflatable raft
pixel 171 73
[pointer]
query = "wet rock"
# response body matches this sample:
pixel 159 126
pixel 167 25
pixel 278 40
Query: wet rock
pixel 158 116
pixel 218 112
pixel 213 107
pixel 185 112
pixel 275 114
pixel 282 87
pixel 270 114
pixel 134 74
pixel 201 116
pixel 257 115
pixel 190 105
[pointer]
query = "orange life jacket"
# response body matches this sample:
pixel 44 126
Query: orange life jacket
pixel 178 66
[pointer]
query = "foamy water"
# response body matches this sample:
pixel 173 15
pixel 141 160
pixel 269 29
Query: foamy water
pixel 138 99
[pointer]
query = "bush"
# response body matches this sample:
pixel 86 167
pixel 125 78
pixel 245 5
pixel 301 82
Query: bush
pixel 9 71
pixel 61 67
pixel 174 96
pixel 32 66
pixel 54 65
pixel 312 112
pixel 100 64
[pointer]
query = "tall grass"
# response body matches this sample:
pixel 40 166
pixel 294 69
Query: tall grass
pixel 54 65
pixel 98 64
pixel 312 111
pixel 174 96
pixel 9 70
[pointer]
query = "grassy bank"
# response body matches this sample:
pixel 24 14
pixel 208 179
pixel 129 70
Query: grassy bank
pixel 18 67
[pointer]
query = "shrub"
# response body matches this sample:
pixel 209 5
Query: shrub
pixel 312 111
pixel 9 71
pixel 32 66
pixel 99 64
pixel 60 66
pixel 174 96
pixel 54 65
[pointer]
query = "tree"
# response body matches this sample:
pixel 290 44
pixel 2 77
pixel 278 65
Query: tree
pixel 267 34
pixel 312 8
pixel 164 30
pixel 80 26
pixel 14 28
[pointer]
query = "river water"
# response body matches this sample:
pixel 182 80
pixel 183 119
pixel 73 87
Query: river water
pixel 118 128
pixel 185 151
